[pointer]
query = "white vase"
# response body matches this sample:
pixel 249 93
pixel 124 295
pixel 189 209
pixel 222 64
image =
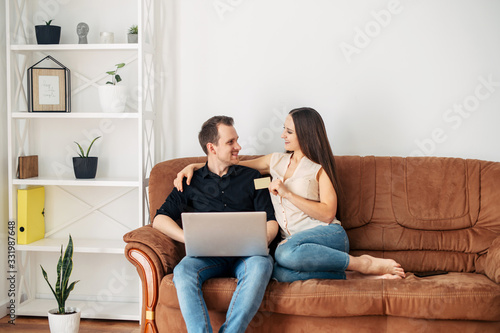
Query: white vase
pixel 64 323
pixel 113 98
pixel 132 38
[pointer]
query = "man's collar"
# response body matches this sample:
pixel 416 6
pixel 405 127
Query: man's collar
pixel 205 172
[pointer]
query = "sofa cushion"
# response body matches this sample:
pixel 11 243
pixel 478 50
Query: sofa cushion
pixel 320 298
pixel 490 263
pixel 435 194
pixel 357 178
pixel 459 296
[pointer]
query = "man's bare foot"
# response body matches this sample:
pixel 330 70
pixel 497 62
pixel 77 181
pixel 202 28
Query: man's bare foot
pixel 369 265
pixel 351 275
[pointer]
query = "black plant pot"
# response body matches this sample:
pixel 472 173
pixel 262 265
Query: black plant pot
pixel 85 167
pixel 48 34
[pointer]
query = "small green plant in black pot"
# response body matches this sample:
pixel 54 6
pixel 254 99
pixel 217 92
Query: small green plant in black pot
pixel 85 166
pixel 47 33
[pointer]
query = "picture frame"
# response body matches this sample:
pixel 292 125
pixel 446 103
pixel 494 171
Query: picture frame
pixel 49 88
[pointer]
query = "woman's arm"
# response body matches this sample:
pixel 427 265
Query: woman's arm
pixel 187 173
pixel 324 210
pixel 260 164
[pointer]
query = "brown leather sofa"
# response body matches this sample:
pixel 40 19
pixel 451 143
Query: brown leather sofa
pixel 427 213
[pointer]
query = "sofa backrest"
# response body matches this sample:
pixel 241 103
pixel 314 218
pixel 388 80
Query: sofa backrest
pixel 161 180
pixel 428 213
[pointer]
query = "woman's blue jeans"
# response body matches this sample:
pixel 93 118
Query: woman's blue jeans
pixel 253 274
pixel 317 253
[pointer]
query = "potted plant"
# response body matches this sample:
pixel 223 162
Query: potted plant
pixel 48 34
pixel 63 319
pixel 85 166
pixel 113 97
pixel 132 35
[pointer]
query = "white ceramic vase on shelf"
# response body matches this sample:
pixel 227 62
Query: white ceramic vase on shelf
pixel 64 323
pixel 113 98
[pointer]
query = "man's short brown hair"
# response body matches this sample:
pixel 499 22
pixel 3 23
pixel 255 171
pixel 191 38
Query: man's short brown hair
pixel 209 132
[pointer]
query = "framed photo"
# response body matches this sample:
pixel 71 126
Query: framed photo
pixel 49 89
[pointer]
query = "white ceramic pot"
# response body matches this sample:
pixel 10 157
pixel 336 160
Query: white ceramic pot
pixel 113 98
pixel 132 38
pixel 64 323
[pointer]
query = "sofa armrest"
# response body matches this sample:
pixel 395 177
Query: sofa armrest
pixel 146 263
pixel 154 255
pixel 492 263
pixel 168 251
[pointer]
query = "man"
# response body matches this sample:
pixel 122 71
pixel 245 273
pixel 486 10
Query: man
pixel 221 185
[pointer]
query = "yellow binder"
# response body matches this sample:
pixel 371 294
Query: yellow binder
pixel 30 214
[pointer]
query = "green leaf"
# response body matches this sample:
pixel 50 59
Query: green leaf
pixel 134 29
pixel 66 269
pixel 58 281
pixel 47 279
pixel 81 153
pixel 88 151
pixel 114 76
pixel 70 289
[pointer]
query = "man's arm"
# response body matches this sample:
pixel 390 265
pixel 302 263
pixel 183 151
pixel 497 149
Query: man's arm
pixel 169 212
pixel 272 230
pixel 169 227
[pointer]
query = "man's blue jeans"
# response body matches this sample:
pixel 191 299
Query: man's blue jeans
pixel 253 274
pixel 317 253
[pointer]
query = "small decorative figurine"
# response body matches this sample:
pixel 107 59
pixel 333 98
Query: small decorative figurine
pixel 82 29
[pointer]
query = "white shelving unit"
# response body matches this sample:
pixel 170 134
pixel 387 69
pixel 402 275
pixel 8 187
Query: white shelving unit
pixel 96 212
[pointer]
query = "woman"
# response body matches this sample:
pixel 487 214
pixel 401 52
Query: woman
pixel 304 192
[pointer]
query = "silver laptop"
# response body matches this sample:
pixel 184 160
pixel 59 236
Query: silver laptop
pixel 228 234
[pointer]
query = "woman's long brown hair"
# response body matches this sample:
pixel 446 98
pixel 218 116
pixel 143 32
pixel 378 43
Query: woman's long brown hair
pixel 313 142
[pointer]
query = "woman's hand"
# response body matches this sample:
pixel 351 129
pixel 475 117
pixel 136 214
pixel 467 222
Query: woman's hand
pixel 278 188
pixel 187 173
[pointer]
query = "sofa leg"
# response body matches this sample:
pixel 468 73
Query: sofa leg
pixel 148 275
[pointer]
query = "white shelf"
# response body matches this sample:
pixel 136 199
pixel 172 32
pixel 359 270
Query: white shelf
pixel 102 246
pixel 100 181
pixel 26 132
pixel 107 310
pixel 75 47
pixel 74 115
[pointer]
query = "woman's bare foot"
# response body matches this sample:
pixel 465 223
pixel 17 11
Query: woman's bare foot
pixel 369 265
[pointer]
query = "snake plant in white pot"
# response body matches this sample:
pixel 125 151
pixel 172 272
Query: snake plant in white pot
pixel 63 319
pixel 112 95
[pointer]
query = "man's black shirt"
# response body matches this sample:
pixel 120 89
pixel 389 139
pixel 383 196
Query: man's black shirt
pixel 208 192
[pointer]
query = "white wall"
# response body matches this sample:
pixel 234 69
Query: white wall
pixel 389 77
pixel 4 198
